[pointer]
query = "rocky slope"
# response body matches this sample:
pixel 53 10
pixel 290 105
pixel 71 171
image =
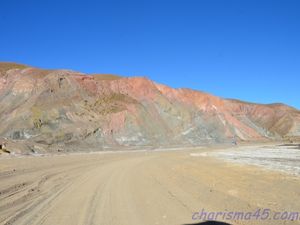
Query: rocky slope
pixel 58 110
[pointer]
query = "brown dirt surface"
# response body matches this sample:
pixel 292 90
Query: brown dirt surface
pixel 134 188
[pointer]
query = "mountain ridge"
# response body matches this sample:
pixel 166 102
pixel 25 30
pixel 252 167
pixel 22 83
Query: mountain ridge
pixel 50 110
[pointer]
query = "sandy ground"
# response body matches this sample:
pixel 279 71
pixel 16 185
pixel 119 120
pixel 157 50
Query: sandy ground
pixel 139 188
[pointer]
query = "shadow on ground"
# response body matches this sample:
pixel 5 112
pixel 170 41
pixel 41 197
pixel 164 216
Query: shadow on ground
pixel 209 223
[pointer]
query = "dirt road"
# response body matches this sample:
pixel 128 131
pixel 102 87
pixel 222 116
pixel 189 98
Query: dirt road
pixel 138 188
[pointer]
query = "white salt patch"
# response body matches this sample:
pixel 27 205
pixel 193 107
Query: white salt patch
pixel 280 158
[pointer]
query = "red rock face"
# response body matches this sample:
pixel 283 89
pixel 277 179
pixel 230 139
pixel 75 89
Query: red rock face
pixel 72 109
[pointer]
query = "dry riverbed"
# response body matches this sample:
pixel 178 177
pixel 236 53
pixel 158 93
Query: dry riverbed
pixel 149 187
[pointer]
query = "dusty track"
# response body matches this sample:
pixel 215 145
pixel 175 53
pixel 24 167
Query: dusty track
pixel 138 188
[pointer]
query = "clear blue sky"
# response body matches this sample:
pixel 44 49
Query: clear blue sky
pixel 242 49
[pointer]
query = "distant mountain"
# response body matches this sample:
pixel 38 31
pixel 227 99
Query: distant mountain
pixel 62 110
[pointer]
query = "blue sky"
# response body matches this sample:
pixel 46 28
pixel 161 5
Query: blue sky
pixel 243 49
